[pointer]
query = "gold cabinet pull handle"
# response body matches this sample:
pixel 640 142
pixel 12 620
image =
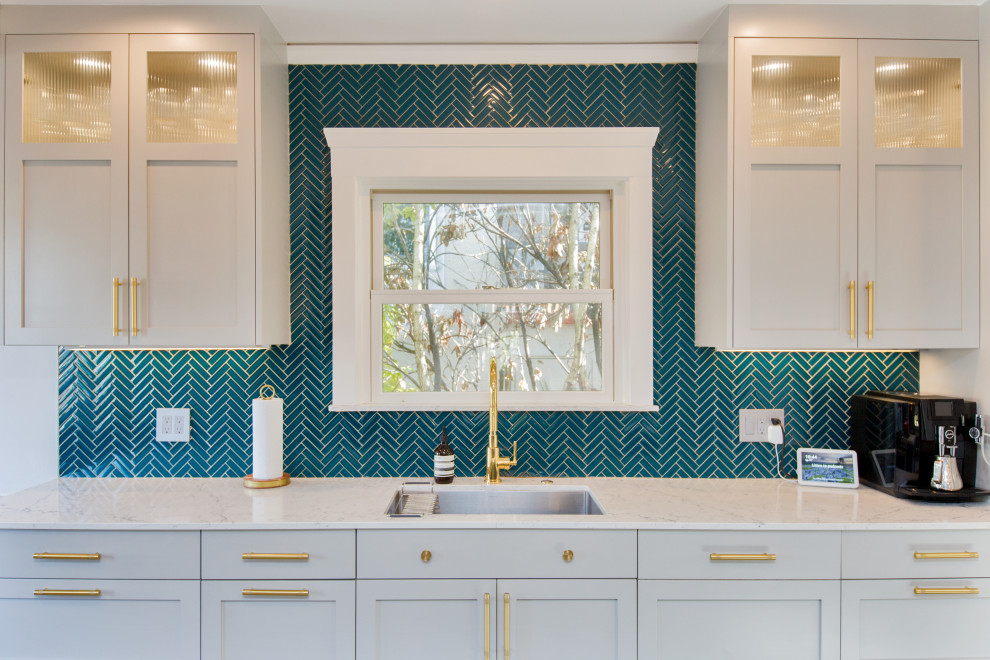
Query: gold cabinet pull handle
pixel 488 626
pixel 946 591
pixel 716 556
pixel 93 556
pixel 869 309
pixel 277 556
pixel 115 302
pixel 505 607
pixel 426 556
pixel 852 309
pixel 134 311
pixel 302 593
pixel 568 555
pixel 946 555
pixel 67 592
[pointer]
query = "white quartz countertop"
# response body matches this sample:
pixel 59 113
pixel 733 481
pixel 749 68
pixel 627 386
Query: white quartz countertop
pixel 160 504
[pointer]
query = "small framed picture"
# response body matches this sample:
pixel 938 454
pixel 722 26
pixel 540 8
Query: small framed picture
pixel 835 468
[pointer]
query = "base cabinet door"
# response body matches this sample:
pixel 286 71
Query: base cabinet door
pixel 573 619
pixel 739 619
pixel 915 619
pixel 426 619
pixel 264 619
pixel 99 619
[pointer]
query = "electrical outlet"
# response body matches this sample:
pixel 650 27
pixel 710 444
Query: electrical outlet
pixel 754 422
pixel 172 425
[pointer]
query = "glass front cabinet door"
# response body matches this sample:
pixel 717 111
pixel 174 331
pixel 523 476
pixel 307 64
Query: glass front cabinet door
pixel 66 189
pixel 918 194
pixel 795 192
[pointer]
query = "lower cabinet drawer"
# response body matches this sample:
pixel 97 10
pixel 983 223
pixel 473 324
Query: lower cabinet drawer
pixel 106 619
pixel 496 553
pixel 740 555
pixel 739 619
pixel 100 555
pixel 278 555
pixel 915 619
pixel 911 554
pixel 262 619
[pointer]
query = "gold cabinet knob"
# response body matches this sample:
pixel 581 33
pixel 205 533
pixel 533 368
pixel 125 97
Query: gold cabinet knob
pixel 568 555
pixel 426 556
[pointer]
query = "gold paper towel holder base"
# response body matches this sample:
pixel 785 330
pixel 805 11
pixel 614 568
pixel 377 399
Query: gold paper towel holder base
pixel 251 482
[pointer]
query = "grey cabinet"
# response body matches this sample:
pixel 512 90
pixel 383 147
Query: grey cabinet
pixel 278 594
pixel 263 619
pixel 480 594
pixel 81 594
pixel 739 619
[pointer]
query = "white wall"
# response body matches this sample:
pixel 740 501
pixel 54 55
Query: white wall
pixel 28 416
pixel 966 373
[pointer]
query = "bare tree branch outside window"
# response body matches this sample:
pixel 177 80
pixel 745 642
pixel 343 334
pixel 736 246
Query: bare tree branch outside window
pixel 475 246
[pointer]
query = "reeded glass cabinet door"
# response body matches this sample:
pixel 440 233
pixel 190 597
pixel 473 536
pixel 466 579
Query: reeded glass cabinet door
pixel 919 178
pixel 66 179
pixel 192 201
pixel 794 193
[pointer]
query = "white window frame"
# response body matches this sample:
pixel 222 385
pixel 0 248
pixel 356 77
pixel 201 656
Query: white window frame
pixel 616 160
pixel 602 295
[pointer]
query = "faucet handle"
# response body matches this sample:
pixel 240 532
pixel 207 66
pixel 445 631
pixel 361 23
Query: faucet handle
pixel 513 452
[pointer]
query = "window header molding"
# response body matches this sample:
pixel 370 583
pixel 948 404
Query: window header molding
pixel 616 160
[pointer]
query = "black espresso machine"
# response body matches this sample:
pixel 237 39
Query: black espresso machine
pixel 917 446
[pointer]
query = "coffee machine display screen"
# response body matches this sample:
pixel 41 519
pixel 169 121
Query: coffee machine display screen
pixel 943 409
pixel 835 468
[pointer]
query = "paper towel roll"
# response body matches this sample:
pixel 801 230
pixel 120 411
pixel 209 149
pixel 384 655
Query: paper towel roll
pixel 267 422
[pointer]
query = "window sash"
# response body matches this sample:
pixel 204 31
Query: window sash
pixel 380 198
pixel 494 296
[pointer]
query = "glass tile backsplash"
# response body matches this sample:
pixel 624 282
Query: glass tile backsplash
pixel 107 399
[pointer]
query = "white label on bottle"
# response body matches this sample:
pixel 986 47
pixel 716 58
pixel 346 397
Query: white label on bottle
pixel 443 466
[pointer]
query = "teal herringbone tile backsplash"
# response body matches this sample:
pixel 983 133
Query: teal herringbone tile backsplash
pixel 107 400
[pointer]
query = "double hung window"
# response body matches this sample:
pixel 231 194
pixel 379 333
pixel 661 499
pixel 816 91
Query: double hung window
pixel 460 278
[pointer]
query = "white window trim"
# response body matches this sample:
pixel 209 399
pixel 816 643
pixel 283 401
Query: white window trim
pixel 618 160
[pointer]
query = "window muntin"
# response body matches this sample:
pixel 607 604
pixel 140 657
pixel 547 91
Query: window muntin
pixel 460 278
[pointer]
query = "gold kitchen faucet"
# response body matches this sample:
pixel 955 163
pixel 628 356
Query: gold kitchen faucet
pixel 494 462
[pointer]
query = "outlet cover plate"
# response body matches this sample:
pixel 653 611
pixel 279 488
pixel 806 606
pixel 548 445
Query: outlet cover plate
pixel 172 425
pixel 753 423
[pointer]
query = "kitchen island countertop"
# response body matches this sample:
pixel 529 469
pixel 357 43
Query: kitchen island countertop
pixel 359 503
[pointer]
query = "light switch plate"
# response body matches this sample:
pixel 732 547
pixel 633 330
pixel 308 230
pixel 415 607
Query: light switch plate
pixel 753 423
pixel 172 425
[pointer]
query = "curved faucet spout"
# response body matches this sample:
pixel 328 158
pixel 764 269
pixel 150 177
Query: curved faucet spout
pixel 494 462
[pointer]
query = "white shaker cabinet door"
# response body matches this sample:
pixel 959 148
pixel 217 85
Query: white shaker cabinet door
pixel 264 619
pixel 739 619
pixel 101 620
pixel 919 217
pixel 192 204
pixel 794 232
pixel 65 206
pixel 426 619
pixel 915 619
pixel 573 619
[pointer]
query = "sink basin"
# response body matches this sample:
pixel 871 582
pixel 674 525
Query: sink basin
pixel 427 500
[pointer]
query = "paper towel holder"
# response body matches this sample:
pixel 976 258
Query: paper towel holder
pixel 249 480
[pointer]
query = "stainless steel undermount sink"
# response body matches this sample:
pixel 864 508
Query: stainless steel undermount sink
pixel 415 500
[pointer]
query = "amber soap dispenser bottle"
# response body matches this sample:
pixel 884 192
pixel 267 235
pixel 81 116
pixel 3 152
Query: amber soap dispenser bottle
pixel 443 461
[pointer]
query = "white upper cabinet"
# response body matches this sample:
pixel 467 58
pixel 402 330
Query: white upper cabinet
pixel 66 184
pixel 795 192
pixel 134 208
pixel 919 194
pixel 838 205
